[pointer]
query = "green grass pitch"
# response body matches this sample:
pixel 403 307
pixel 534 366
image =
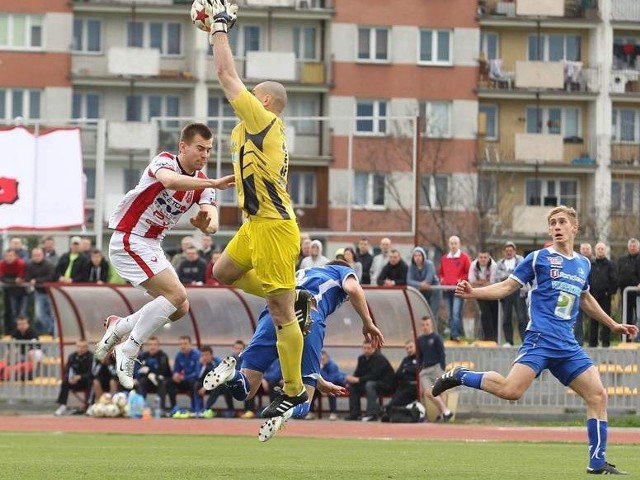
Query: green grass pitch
pixel 109 456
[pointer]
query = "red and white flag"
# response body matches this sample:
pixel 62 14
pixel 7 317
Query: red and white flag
pixel 41 179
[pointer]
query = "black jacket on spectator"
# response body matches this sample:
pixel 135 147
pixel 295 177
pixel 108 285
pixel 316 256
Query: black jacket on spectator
pixel 158 363
pixel 42 272
pixel 94 273
pixel 191 272
pixel 406 374
pixel 29 334
pixel 397 273
pixel 79 365
pixel 376 368
pixel 602 278
pixel 78 269
pixel 365 260
pixel 431 350
pixel 628 271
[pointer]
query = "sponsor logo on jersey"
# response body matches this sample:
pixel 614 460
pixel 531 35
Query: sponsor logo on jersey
pixel 555 273
pixel 557 261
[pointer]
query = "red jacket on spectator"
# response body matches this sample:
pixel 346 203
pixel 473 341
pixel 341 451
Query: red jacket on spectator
pixel 454 268
pixel 10 271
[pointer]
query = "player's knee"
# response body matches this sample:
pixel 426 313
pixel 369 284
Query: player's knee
pixel 597 398
pixel 512 393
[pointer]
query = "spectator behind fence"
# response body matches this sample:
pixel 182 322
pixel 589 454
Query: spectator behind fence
pixel 315 258
pixel 629 276
pixel 77 376
pixel 373 376
pixel 454 266
pixel 394 273
pixel 186 243
pixel 49 248
pixel 86 247
pixel 363 255
pixel 305 251
pixel 380 260
pixel 422 276
pixel 578 329
pixel 516 300
pixel 432 360
pixel 97 270
pixel 208 247
pixel 331 373
pixel 191 270
pixel 22 361
pixel 186 368
pixel 72 266
pixel 406 380
pixel 12 271
pixel 482 270
pixel 16 244
pixel 604 282
pixel 349 256
pixel 38 271
pixel 154 372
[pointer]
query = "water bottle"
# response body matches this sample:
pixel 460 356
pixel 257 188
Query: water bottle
pixel 157 411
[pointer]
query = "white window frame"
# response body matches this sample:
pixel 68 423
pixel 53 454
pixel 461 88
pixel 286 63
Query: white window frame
pixel 84 100
pixel 484 45
pixel 426 110
pixel 30 22
pixel 228 197
pixel 146 36
pixel 84 41
pixel 490 194
pixel 369 193
pixel 628 201
pixel 545 47
pixel 373 44
pixel 144 107
pixel 616 126
pixel 376 119
pixel 434 47
pixel 303 107
pixel 431 191
pixel 545 191
pixel 300 41
pixel 563 116
pixel 303 187
pixel 497 120
pixel 26 103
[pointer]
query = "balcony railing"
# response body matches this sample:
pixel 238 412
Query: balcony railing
pixel 625 10
pixel 579 151
pixel 625 155
pixel 508 9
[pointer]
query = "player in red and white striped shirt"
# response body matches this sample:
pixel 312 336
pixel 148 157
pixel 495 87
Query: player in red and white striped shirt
pixel 169 186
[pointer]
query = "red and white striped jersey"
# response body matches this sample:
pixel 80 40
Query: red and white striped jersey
pixel 150 210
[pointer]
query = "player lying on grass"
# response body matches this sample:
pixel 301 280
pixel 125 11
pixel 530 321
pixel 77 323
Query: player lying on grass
pixel 331 285
pixel 560 279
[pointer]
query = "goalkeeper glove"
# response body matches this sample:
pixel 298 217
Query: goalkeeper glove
pixel 224 16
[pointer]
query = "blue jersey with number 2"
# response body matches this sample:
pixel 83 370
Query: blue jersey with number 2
pixel 557 283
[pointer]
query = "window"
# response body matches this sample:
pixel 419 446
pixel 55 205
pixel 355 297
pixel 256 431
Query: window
pixel 491 121
pixel 90 182
pixel 304 43
pixel 87 35
pixel 374 113
pixel 141 109
pixel 551 193
pixel 227 197
pixel 435 47
pixel 220 107
pixel 624 195
pixel 554 120
pixel 86 105
pixel 625 123
pixel 487 189
pixel 434 191
pixel 21 32
pixel 437 117
pixel 131 176
pixel 302 188
pixel 303 107
pixel 489 45
pixel 19 102
pixel 369 189
pixel 164 36
pixel 373 43
pixel 554 47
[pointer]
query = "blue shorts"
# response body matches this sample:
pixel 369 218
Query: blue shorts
pixel 565 360
pixel 262 352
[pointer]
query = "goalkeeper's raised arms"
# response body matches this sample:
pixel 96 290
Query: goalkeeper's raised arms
pixel 214 16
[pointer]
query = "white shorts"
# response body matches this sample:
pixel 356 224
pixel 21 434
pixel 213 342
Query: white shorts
pixel 136 258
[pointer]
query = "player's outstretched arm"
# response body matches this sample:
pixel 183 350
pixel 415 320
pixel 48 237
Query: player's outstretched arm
pixel 359 302
pixel 182 183
pixel 206 220
pixel 329 388
pixel 495 291
pixel 592 308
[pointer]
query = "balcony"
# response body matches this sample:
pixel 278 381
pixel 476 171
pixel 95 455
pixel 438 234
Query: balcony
pixel 625 10
pixel 556 78
pixel 492 10
pixel 625 157
pixel 521 152
pixel 626 80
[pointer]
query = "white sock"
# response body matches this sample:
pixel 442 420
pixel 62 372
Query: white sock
pixel 125 325
pixel 152 316
pixel 446 412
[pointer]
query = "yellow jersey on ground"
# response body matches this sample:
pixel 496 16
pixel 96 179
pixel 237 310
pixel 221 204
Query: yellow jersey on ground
pixel 260 160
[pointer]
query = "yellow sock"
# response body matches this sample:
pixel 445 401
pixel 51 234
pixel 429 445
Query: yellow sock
pixel 250 283
pixel 289 346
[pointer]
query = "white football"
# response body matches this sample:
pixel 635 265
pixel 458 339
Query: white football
pixel 199 17
pixel 98 410
pixel 119 399
pixel 111 410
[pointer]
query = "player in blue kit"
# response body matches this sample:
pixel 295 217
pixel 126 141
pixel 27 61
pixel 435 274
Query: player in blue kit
pixel 560 286
pixel 331 285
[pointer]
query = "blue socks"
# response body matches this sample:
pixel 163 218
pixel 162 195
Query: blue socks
pixel 471 379
pixel 300 411
pixel 597 432
pixel 239 386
